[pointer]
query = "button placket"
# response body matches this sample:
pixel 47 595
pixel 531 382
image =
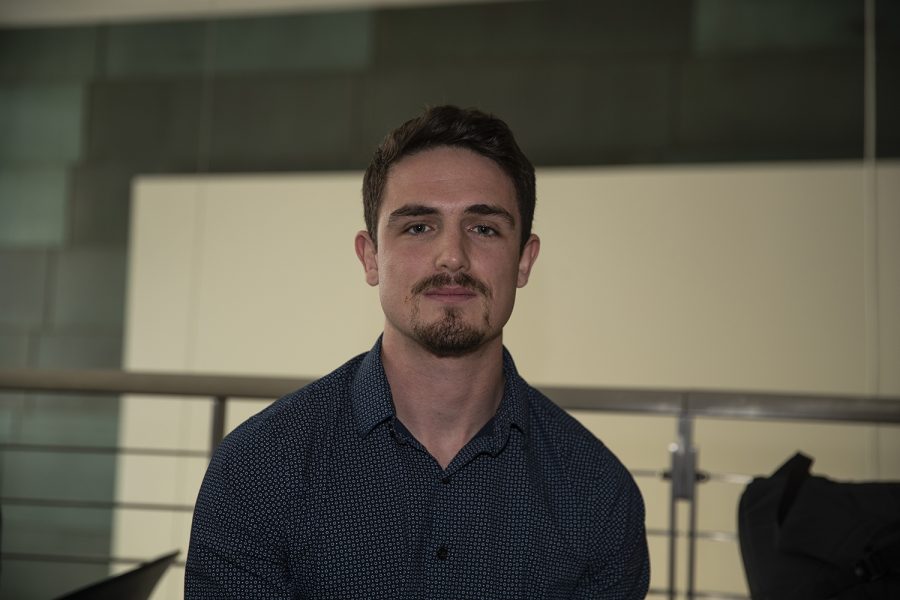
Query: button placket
pixel 442 536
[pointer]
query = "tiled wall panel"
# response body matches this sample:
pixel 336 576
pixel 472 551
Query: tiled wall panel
pixel 155 49
pixel 771 107
pixel 489 34
pixel 90 289
pixel 736 26
pixel 286 123
pixel 22 304
pixel 40 122
pixel 99 206
pixel 72 350
pixel 55 54
pixel 32 206
pixel 289 43
pixel 153 122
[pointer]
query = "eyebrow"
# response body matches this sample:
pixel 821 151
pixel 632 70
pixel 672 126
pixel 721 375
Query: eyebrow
pixel 411 210
pixel 491 210
pixel 419 210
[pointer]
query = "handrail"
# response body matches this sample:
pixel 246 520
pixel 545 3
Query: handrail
pixel 700 403
pixel 142 382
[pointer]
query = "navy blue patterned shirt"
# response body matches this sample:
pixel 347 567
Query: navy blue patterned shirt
pixel 325 495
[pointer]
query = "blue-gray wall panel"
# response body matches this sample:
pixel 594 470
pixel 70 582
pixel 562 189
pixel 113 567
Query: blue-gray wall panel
pixel 498 33
pixel 776 25
pixel 48 54
pixel 153 49
pixel 772 107
pixel 40 122
pixel 32 206
pixel 64 350
pixel 22 300
pixel 90 289
pixel 151 122
pixel 282 123
pixel 562 114
pixel 40 580
pixel 302 42
pixel 99 206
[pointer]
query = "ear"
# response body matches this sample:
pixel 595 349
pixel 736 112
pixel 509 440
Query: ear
pixel 527 258
pixel 368 256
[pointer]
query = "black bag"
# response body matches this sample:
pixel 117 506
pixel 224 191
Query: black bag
pixel 805 537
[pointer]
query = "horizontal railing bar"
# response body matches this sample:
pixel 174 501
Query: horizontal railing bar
pixel 858 409
pixel 698 594
pixel 661 402
pixel 50 448
pixel 95 504
pixel 136 382
pixel 87 560
pixel 735 478
pixel 746 405
pixel 654 473
pixel 712 536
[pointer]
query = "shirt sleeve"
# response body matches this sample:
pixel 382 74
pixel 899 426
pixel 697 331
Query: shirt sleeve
pixel 621 568
pixel 236 549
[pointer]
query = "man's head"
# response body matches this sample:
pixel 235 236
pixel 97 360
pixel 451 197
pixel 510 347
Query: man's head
pixel 451 126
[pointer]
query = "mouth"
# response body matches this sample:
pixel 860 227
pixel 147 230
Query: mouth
pixel 450 294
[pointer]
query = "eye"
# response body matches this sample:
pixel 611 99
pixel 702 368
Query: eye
pixel 417 229
pixel 485 230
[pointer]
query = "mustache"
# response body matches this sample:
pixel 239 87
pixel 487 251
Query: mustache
pixel 463 280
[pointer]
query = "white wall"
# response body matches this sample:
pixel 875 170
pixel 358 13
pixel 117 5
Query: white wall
pixel 765 277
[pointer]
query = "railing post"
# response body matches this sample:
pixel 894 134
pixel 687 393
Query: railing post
pixel 683 476
pixel 218 422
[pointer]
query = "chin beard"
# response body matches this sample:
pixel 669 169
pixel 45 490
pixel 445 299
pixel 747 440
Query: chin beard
pixel 450 336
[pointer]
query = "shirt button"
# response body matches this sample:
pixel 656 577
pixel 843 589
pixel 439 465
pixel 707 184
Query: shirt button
pixel 443 553
pixel 445 480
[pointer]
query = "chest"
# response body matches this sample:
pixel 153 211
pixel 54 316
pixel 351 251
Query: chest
pixel 383 520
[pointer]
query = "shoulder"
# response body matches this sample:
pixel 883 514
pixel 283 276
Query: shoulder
pixel 608 504
pixel 557 430
pixel 585 461
pixel 295 421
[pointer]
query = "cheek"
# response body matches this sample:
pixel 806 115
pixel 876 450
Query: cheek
pixel 397 279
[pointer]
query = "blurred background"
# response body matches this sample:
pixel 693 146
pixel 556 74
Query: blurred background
pixel 95 94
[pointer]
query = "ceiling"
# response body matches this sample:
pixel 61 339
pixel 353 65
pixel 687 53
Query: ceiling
pixel 27 13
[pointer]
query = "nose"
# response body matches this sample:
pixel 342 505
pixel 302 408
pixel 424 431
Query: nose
pixel 452 254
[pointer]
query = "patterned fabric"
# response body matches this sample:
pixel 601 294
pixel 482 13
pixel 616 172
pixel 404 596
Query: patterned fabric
pixel 325 495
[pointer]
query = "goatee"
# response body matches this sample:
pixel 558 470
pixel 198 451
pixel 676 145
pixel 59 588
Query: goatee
pixel 450 336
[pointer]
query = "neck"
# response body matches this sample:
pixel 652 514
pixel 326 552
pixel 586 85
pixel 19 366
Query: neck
pixel 443 401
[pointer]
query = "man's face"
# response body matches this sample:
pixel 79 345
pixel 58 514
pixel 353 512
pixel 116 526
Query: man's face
pixel 447 262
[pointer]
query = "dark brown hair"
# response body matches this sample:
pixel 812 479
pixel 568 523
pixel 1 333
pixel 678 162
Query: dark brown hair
pixel 452 126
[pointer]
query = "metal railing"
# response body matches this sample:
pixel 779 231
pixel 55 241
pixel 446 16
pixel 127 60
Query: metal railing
pixel 683 473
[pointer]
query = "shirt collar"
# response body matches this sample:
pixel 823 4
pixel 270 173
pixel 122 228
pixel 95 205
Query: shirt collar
pixel 371 393
pixel 373 403
pixel 515 394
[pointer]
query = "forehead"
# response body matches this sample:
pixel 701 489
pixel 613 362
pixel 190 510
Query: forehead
pixel 448 178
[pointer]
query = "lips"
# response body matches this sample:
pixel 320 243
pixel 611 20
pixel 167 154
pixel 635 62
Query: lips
pixel 450 294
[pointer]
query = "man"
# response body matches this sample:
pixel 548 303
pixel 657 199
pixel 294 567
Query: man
pixel 426 468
